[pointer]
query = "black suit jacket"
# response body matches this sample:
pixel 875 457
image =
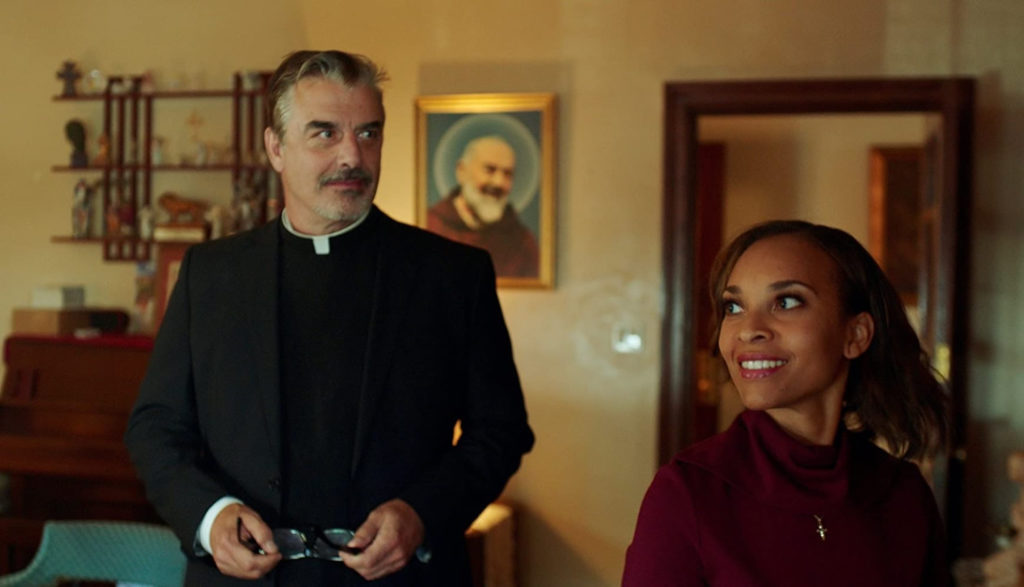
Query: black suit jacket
pixel 207 421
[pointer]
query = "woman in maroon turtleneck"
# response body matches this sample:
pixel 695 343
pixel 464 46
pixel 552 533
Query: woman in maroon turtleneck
pixel 796 493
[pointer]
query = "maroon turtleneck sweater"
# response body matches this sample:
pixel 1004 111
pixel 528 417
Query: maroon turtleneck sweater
pixel 743 508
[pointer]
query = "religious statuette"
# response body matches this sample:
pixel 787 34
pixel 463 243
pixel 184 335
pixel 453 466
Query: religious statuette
pixel 821 528
pixel 74 130
pixel 69 75
pixel 81 210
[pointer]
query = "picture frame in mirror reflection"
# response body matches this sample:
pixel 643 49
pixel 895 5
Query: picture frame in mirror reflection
pixel 485 174
pixel 897 225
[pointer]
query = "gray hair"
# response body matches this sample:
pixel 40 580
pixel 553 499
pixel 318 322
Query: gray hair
pixel 350 69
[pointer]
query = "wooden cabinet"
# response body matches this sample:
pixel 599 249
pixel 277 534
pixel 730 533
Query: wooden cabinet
pixel 64 405
pixel 123 168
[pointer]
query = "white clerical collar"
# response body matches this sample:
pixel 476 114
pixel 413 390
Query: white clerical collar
pixel 321 242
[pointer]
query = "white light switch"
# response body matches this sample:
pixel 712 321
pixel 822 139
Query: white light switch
pixel 627 338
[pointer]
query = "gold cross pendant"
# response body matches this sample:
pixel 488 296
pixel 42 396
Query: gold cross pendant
pixel 821 528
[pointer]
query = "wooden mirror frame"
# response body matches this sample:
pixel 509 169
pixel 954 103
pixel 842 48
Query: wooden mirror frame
pixel 952 99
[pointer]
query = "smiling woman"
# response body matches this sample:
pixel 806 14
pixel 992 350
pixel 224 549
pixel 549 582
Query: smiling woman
pixel 785 336
pixel 827 365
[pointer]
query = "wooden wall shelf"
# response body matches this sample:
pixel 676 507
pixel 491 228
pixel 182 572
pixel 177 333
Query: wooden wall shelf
pixel 140 167
pixel 127 180
pixel 162 94
pixel 99 240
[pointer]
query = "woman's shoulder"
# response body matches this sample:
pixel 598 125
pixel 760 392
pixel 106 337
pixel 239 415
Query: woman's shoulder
pixel 725 450
pixel 708 465
pixel 878 475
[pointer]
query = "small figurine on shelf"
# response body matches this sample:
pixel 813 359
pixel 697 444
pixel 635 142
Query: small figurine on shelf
pixel 81 210
pixel 181 210
pixel 126 216
pixel 147 85
pixel 146 221
pixel 117 85
pixel 102 158
pixel 96 82
pixel 202 154
pixel 220 219
pixel 74 130
pixel 182 219
pixel 247 204
pixel 69 75
pixel 156 151
pixel 112 219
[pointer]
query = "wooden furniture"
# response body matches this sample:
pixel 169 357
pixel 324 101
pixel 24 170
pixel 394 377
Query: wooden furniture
pixel 127 165
pixel 491 541
pixel 63 409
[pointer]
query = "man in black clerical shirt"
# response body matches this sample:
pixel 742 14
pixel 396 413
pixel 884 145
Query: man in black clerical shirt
pixel 295 424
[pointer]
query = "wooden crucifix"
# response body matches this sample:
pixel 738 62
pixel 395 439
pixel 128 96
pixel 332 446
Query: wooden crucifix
pixel 69 74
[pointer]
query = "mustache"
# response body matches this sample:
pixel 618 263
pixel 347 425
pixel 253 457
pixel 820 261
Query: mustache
pixel 492 190
pixel 347 174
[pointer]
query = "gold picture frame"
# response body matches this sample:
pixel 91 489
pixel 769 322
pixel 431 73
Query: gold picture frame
pixel 519 230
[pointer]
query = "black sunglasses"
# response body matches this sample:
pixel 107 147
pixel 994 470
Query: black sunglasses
pixel 312 542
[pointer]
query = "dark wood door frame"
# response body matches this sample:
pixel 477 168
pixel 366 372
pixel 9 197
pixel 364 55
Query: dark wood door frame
pixel 952 99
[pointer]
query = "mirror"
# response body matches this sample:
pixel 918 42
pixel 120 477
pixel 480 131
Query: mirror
pixel 858 172
pixel 692 217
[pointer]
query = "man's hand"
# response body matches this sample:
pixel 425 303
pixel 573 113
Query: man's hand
pixel 233 525
pixel 388 537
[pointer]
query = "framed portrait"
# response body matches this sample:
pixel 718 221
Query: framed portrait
pixel 485 170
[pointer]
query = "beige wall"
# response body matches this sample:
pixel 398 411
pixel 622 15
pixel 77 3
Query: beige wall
pixel 594 411
pixel 813 167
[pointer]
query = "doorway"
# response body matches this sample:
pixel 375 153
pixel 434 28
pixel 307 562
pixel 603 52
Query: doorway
pixel 950 100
